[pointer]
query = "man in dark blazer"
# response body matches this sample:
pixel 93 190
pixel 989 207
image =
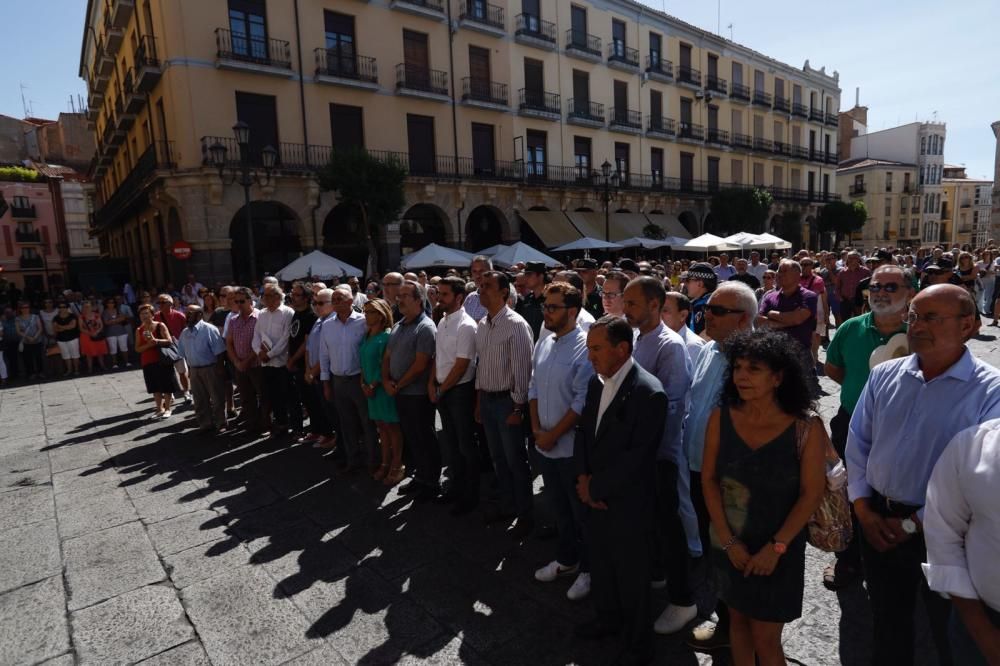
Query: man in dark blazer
pixel 615 453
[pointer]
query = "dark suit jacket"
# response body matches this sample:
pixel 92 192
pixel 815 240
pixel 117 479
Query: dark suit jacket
pixel 621 455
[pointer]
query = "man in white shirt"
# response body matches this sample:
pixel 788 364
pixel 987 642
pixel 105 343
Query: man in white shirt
pixel 452 389
pixel 675 313
pixel 756 268
pixel 270 344
pixel 962 530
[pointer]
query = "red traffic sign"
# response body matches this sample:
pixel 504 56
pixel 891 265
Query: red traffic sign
pixel 181 250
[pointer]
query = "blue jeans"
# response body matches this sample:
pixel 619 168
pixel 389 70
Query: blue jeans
pixel 964 650
pixel 570 513
pixel 508 452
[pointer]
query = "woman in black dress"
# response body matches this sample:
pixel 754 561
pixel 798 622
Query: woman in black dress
pixel 764 475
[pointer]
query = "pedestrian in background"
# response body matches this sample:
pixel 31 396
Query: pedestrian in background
pixel 116 334
pixel 67 332
pixel 92 343
pixel 170 315
pixel 203 347
pixel 29 328
pixel 159 376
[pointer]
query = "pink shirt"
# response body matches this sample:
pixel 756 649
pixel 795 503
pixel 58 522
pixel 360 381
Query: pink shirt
pixel 241 332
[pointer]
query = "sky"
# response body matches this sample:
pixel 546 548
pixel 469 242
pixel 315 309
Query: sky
pixel 913 60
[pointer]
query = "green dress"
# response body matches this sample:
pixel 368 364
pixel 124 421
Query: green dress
pixel 381 406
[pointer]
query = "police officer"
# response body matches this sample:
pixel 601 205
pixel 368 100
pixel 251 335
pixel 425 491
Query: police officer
pixel 530 306
pixel 587 268
pixel 701 282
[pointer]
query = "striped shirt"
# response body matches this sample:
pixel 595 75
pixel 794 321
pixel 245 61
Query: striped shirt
pixel 241 331
pixel 504 345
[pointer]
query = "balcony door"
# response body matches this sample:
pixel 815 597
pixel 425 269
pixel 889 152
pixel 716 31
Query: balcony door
pixel 687 171
pixel 713 118
pixel 713 174
pixel 622 161
pixel 578 22
pixel 656 165
pixel 779 88
pixel 581 92
pixel 347 127
pixel 532 15
pixel 534 83
pixel 655 109
pixel 737 73
pixel 581 157
pixel 260 113
pixel 758 81
pixel 713 67
pixel 621 101
pixel 479 72
pixel 618 38
pixel 685 58
pixel 341 54
pixel 417 59
pixel 655 49
pixel 420 143
pixel 483 156
pixel 685 113
pixel 248 28
pixel 535 158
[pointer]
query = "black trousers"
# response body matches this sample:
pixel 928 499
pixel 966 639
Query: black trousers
pixel 620 573
pixel 416 418
pixel 457 409
pixel 276 390
pixel 670 551
pixel 893 579
pixel 851 556
pixel 704 522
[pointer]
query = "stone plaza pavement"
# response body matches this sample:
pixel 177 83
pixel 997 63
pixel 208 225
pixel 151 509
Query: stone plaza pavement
pixel 127 540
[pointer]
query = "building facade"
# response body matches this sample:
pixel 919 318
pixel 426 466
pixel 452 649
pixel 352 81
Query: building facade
pixel 889 192
pixel 501 114
pixel 966 208
pixel 32 248
pixel 995 215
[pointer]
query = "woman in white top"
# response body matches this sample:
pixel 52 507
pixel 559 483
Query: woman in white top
pixel 986 269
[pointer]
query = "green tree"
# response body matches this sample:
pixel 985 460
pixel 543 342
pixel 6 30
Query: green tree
pixel 653 230
pixel 370 186
pixel 735 210
pixel 842 218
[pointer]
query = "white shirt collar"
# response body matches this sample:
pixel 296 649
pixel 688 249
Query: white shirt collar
pixel 616 379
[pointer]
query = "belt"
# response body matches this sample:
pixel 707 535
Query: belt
pixel 354 376
pixel 497 394
pixel 892 508
pixel 199 367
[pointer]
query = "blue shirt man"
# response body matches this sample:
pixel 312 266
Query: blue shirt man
pixel 707 379
pixel 559 381
pixel 663 354
pixel 201 344
pixel 339 344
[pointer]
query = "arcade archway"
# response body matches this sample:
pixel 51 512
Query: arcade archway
pixel 421 225
pixel 275 239
pixel 344 236
pixel 484 228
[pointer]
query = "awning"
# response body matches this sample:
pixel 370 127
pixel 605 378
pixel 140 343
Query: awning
pixel 553 227
pixel 588 223
pixel 670 224
pixel 627 225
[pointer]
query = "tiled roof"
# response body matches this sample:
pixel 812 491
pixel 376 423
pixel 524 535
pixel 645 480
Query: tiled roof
pixel 868 162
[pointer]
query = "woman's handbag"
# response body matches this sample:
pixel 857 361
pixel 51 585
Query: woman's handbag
pixel 830 528
pixel 169 354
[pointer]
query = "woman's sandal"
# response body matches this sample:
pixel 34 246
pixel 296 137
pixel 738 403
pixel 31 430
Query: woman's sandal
pixel 396 475
pixel 381 472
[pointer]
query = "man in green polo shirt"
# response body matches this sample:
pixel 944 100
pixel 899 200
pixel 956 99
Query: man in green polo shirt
pixel 860 344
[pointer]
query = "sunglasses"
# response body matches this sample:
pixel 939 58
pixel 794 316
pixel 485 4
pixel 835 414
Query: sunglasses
pixel 888 287
pixel 239 300
pixel 721 310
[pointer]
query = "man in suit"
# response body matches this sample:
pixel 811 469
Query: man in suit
pixel 615 455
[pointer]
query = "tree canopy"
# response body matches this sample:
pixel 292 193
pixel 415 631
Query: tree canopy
pixel 842 218
pixel 735 210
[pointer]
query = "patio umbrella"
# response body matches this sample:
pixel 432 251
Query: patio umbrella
pixel 433 255
pixel 316 264
pixel 522 252
pixel 708 243
pixel 744 239
pixel 653 243
pixel 587 244
pixel 767 241
pixel 493 249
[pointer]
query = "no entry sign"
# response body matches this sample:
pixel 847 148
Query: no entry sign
pixel 181 250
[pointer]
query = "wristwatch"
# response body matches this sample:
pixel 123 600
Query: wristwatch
pixel 779 547
pixel 909 525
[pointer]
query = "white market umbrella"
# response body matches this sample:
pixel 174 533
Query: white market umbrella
pixel 767 241
pixel 708 243
pixel 493 249
pixel 743 238
pixel 522 252
pixel 653 243
pixel 433 255
pixel 586 244
pixel 316 264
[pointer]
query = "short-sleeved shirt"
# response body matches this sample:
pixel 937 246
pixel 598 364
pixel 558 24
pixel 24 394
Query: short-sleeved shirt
pixel 67 336
pixel 813 283
pixel 302 323
pixel 175 321
pixel 407 339
pixel 456 338
pixel 114 330
pixel 851 349
pixel 802 298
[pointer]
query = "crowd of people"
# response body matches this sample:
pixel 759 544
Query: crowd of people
pixel 669 408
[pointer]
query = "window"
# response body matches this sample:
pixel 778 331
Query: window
pixel 737 73
pixel 656 109
pixel 581 91
pixel 758 174
pixel 482 149
pixel 758 81
pixel 346 127
pixel 713 174
pixel 656 165
pixel 888 181
pixel 341 56
pixel 922 169
pixel 655 49
pixel 532 14
pixel 21 202
pixel 736 173
pixel 923 145
pixel 420 143
pixel 248 27
pixel 796 94
pixel 622 161
pixel 618 38
pixel 902 226
pixel 535 157
pixel 578 20
pixel 795 180
pixel 888 206
pixel 777 176
pixel 914 227
pixel 260 113
pixel 826 185
pixel 581 156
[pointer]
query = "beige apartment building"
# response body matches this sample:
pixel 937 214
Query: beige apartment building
pixel 966 208
pixel 889 192
pixel 502 113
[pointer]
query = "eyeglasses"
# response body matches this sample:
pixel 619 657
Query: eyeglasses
pixel 721 310
pixel 322 302
pixel 931 318
pixel 552 307
pixel 165 302
pixel 888 287
pixel 611 294
pixel 239 300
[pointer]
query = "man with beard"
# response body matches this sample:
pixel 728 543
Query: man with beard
pixel 848 362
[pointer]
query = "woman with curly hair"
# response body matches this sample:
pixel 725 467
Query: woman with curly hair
pixel 763 477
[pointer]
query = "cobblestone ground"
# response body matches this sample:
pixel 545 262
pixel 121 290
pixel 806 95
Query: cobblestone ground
pixel 124 540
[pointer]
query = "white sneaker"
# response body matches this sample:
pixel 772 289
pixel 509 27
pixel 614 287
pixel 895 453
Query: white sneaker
pixel 674 618
pixel 554 570
pixel 167 413
pixel 187 396
pixel 580 588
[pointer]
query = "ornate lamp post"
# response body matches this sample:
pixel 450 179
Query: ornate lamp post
pixel 246 175
pixel 608 183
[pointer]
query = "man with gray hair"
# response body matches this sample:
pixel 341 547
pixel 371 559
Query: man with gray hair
pixel 270 344
pixel 790 307
pixel 479 265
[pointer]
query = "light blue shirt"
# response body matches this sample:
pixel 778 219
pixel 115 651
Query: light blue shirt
pixel 201 345
pixel 473 306
pixel 339 344
pixel 663 354
pixel 903 423
pixel 312 342
pixel 559 378
pixel 706 389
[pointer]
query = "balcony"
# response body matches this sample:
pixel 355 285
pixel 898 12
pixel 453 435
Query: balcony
pixel 113 36
pixel 583 46
pixel 800 110
pixel 717 136
pixel 147 64
pixel 691 132
pixel 816 114
pixel 424 83
pixel 762 98
pixel 831 119
pixel 482 17
pixel 782 104
pixel 585 113
pixel 742 141
pixel 134 101
pixel 832 158
pixel 659 69
pixel 240 52
pixel 782 148
pixel 965 204
pixel 121 12
pixel 857 190
pixel 432 9
pixel 126 199
pixel 717 85
pixel 539 104
pixel 763 145
pixel 817 156
pixel 625 120
pixel 23 212
pixel 740 93
pixel 532 31
pixel 688 76
pixel 484 94
pixel 123 119
pixel 623 57
pixel 658 126
pixel 28 263
pixel 33 237
pixel 351 70
pixel 800 153
pixel 95 99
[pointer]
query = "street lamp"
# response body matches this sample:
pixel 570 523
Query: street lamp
pixel 608 188
pixel 244 175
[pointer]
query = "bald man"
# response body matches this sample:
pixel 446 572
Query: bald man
pixel 898 430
